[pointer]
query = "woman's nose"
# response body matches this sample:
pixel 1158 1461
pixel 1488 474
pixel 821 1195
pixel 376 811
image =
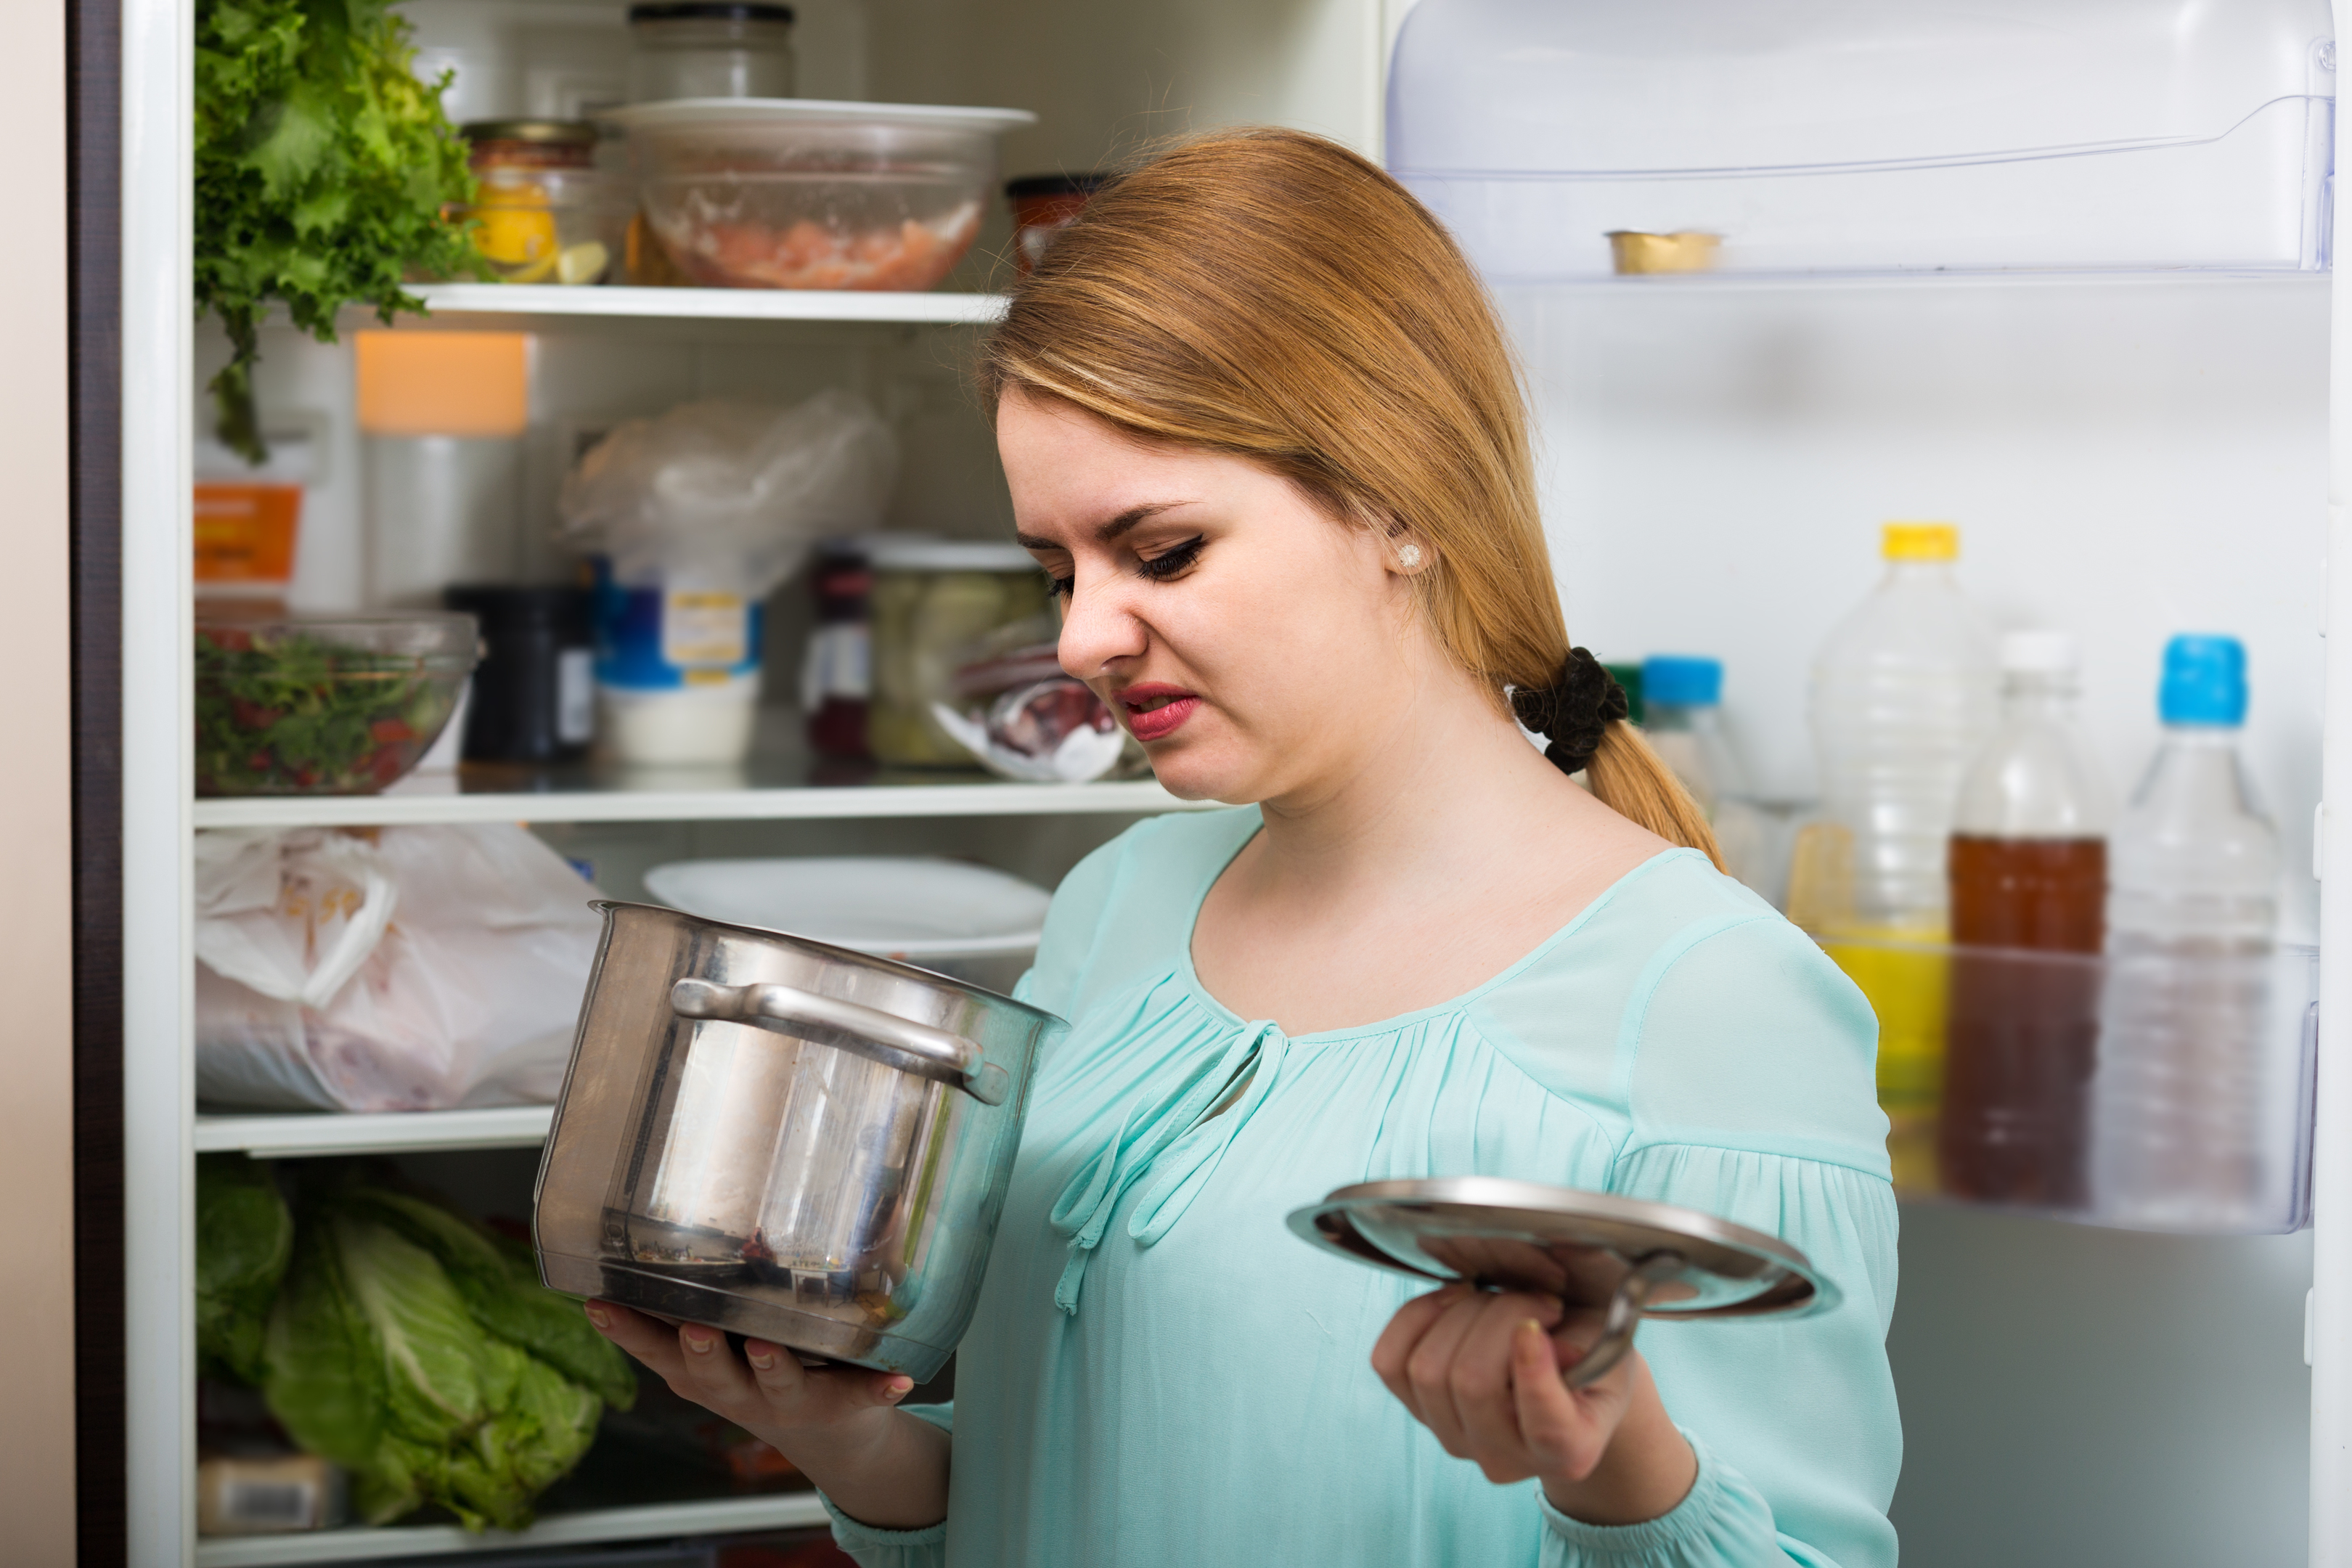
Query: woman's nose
pixel 1097 628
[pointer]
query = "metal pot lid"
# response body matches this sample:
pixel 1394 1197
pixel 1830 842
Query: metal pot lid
pixel 1575 1246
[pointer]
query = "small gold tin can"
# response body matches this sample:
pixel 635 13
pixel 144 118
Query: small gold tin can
pixel 1689 250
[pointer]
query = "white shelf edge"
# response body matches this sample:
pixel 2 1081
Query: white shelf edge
pixel 620 301
pixel 723 1516
pixel 1713 284
pixel 399 808
pixel 291 1135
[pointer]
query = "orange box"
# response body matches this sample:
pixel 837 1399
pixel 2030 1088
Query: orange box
pixel 443 383
pixel 245 532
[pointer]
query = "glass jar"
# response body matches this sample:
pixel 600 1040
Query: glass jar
pixel 710 49
pixel 1044 205
pixel 544 211
pixel 934 601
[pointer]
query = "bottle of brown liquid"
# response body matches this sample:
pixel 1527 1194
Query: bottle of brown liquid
pixel 2029 878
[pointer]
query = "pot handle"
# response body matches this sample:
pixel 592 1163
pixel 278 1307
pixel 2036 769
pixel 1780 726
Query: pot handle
pixel 868 1032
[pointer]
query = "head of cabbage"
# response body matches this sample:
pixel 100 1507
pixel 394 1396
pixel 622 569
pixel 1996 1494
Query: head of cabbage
pixel 421 1354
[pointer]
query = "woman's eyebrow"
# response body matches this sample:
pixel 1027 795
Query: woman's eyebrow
pixel 1107 532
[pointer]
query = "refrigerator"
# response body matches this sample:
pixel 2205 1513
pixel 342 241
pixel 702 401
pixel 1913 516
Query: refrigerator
pixel 2129 415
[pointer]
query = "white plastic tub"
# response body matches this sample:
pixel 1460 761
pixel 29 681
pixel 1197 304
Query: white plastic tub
pixel 1904 135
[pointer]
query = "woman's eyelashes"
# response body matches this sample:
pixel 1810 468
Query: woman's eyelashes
pixel 1173 562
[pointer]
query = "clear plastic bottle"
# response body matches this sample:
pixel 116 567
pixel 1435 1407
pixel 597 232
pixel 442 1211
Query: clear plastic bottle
pixel 2029 877
pixel 1682 697
pixel 2192 917
pixel 1903 698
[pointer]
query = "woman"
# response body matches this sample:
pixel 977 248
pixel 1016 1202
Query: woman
pixel 1261 431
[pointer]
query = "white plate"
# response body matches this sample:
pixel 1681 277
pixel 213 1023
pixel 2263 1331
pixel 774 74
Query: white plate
pixel 914 907
pixel 693 113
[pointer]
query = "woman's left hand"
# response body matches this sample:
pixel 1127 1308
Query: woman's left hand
pixel 1482 1371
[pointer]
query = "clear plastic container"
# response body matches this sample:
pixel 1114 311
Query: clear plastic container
pixel 2029 873
pixel 342 705
pixel 773 194
pixel 1903 698
pixel 1816 135
pixel 710 49
pixel 2184 1135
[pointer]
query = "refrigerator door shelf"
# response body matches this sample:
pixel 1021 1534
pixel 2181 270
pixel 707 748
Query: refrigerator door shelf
pixel 1914 135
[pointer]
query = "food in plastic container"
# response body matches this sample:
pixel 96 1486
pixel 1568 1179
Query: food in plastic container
pixel 806 193
pixel 331 706
pixel 1026 719
pixel 693 517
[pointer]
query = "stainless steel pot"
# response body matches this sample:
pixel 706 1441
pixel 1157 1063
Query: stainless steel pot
pixel 783 1139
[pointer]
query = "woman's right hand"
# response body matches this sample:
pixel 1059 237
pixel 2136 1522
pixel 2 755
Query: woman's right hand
pixel 837 1424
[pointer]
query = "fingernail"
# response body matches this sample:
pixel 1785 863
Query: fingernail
pixel 701 1342
pixel 598 1316
pixel 762 1359
pixel 898 1388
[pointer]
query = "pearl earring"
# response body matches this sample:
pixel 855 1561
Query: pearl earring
pixel 1409 556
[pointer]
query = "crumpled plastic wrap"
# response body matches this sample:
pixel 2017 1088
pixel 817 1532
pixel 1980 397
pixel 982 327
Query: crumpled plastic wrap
pixel 730 493
pixel 391 969
pixel 1025 719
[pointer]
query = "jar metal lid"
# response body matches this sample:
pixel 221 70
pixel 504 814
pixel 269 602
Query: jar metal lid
pixel 1055 185
pixel 549 133
pixel 709 11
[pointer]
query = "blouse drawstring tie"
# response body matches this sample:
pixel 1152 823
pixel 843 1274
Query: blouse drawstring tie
pixel 1153 1126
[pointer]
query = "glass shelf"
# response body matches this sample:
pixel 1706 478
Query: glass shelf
pixel 715 1517
pixel 783 779
pixel 621 301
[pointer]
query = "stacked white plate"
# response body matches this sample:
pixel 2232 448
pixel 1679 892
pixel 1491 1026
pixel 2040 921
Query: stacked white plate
pixel 966 921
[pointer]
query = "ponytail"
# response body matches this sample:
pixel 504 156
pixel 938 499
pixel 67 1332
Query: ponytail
pixel 1625 776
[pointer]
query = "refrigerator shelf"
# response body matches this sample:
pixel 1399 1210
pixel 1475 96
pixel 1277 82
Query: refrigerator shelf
pixel 621 302
pixel 676 795
pixel 286 1135
pixel 719 1516
pixel 2159 1091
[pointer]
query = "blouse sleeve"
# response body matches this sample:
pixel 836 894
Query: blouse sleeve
pixel 872 1548
pixel 1751 1096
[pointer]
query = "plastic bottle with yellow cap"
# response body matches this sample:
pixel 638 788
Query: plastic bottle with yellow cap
pixel 1904 695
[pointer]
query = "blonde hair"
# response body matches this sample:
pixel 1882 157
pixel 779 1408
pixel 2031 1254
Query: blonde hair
pixel 1270 295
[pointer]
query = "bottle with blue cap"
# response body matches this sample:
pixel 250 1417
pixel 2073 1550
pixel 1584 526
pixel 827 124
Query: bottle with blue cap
pixel 2193 913
pixel 1683 702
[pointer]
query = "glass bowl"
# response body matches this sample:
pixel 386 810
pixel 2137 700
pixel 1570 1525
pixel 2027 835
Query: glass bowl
pixel 750 192
pixel 339 705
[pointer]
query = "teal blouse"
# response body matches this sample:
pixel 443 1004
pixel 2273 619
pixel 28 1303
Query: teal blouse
pixel 1159 1373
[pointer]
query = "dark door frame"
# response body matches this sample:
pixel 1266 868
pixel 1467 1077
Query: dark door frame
pixel 94 272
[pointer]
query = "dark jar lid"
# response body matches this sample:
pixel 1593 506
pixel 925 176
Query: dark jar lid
pixel 709 11
pixel 545 132
pixel 1033 186
pixel 504 610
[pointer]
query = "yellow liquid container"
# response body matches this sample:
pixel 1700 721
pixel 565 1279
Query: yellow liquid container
pixel 1907 978
pixel 1904 971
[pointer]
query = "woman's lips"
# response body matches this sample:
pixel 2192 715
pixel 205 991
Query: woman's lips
pixel 1156 712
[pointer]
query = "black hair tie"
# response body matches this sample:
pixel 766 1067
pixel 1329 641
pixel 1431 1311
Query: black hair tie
pixel 1574 711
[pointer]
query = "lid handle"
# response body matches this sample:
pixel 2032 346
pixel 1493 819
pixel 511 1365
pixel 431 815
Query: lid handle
pixel 868 1032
